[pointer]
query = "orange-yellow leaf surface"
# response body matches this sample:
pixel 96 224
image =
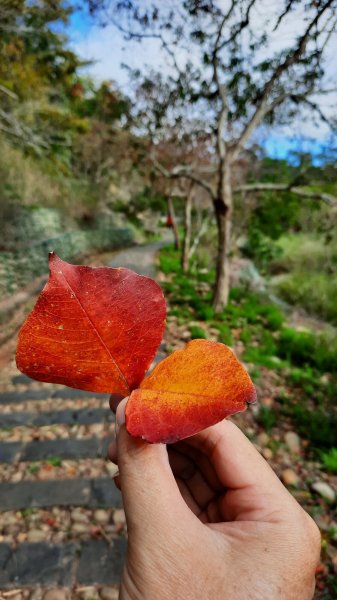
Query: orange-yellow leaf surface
pixel 190 390
pixel 95 329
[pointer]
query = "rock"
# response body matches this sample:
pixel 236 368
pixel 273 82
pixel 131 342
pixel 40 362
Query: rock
pixel 108 593
pixel 80 528
pixel 267 453
pixel 119 516
pixel 263 439
pixel 289 477
pixel 324 490
pixel 36 535
pixel 36 594
pixel 78 516
pixel 112 469
pixel 293 442
pixel 101 516
pixel 10 520
pixel 56 594
pixel 17 596
pixel 185 335
pixel 90 593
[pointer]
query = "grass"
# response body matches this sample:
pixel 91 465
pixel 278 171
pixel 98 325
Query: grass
pixel 54 461
pixel 267 418
pixel 306 361
pixel 309 268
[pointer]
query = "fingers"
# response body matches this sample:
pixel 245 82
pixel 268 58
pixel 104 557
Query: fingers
pixel 147 483
pixel 114 400
pixel 236 462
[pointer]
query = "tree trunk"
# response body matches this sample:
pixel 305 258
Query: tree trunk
pixel 174 224
pixel 185 258
pixel 223 207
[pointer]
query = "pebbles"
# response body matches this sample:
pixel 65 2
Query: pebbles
pixel 108 593
pixel 289 477
pixel 293 442
pixel 325 491
pixel 60 524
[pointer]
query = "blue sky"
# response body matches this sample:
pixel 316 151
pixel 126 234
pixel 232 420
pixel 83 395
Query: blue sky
pixel 107 49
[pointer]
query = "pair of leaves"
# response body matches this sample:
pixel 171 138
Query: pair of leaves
pixel 98 329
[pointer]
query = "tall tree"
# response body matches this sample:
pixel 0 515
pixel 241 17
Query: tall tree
pixel 227 72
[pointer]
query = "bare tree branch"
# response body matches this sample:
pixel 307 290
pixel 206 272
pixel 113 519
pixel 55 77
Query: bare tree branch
pixel 240 27
pixel 180 172
pixel 284 14
pixel 291 58
pixel 154 36
pixel 284 187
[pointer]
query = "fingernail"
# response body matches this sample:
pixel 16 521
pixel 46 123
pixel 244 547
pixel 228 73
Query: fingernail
pixel 116 474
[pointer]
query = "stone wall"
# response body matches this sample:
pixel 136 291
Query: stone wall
pixel 27 225
pixel 18 268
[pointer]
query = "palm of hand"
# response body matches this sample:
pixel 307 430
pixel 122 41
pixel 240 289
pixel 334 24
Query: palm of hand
pixel 208 518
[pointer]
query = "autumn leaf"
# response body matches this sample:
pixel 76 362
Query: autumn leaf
pixel 95 329
pixel 190 390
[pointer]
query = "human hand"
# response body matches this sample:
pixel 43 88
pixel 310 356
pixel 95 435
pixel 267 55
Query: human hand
pixel 207 518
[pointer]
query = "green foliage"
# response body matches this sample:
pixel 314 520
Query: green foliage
pixel 329 460
pixel 55 461
pixel 33 468
pixel 316 292
pixel 198 333
pixel 304 348
pixel 267 418
pixel 318 426
pixel 225 333
pixel 308 267
pixel 260 247
pixel 27 512
pixel 169 261
pixel 306 360
pixel 275 214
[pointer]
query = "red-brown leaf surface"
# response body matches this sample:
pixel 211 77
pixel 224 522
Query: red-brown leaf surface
pixel 190 390
pixel 95 329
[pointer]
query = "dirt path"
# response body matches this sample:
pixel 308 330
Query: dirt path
pixel 141 259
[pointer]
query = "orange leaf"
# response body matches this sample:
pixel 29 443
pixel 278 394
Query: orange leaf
pixel 190 390
pixel 93 328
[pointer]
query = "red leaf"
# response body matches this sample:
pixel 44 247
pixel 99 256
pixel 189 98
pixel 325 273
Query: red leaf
pixel 190 390
pixel 95 329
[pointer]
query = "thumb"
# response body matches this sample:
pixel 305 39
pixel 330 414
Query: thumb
pixel 148 487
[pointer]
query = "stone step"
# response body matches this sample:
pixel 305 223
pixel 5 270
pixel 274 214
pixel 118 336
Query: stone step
pixel 91 493
pixel 45 394
pixel 22 379
pixel 67 449
pixel 82 416
pixel 64 565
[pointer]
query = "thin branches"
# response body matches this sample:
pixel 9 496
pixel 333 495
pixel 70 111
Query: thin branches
pixel 181 172
pixel 284 187
pixel 291 58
